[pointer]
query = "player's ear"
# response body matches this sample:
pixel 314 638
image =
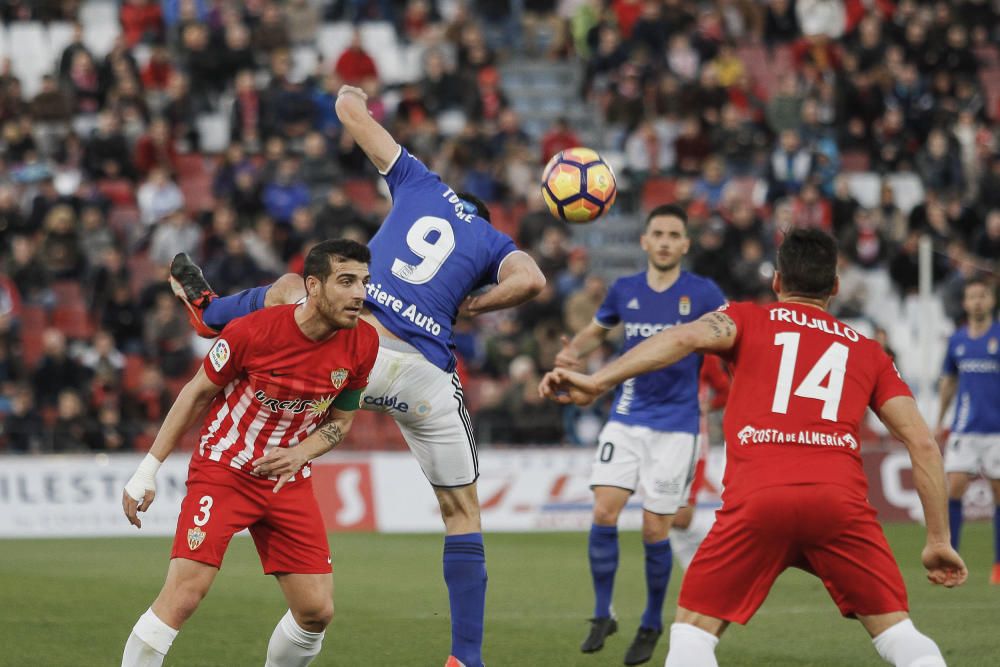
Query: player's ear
pixel 776 283
pixel 312 285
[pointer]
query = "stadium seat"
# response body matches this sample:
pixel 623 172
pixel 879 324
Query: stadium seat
pixel 134 367
pixel 332 39
pixel 67 292
pixel 73 320
pixel 213 130
pixel 865 186
pixel 34 320
pixel 657 191
pixel 378 38
pixel 4 41
pixel 362 193
pixel 855 161
pixel 101 25
pixel 120 191
pixel 304 62
pixel 123 219
pixel 30 56
pixel 60 35
pixel 908 190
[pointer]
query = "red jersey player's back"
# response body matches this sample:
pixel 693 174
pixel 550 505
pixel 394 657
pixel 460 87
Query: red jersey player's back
pixel 279 384
pixel 802 381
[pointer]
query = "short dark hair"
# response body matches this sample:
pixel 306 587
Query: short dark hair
pixel 978 279
pixel 672 210
pixel 475 205
pixel 319 261
pixel 807 260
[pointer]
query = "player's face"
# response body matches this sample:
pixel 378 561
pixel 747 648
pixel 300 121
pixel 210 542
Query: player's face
pixel 665 242
pixel 339 300
pixel 978 302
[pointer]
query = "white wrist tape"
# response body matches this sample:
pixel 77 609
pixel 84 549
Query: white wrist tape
pixel 144 478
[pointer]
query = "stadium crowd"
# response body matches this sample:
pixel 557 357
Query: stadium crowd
pixel 748 113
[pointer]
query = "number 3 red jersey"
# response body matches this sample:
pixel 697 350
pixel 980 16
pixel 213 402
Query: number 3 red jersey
pixel 802 381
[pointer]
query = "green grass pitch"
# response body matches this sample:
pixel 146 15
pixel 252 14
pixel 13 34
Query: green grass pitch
pixel 73 602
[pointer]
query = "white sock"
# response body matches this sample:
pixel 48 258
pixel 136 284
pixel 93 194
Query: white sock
pixel 691 647
pixel 291 646
pixel 903 646
pixel 149 642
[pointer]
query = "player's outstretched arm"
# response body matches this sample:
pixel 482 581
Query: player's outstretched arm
pixel 286 461
pixel 375 140
pixel 520 280
pixel 903 419
pixel 189 406
pixel 583 343
pixel 713 332
pixel 948 387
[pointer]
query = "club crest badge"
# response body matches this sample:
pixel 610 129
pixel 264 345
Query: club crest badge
pixel 684 306
pixel 993 345
pixel 338 377
pixel 195 537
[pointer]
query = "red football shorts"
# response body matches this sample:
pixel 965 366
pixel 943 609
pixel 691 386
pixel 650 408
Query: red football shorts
pixel 822 529
pixel 286 526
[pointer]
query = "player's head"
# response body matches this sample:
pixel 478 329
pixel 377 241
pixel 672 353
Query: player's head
pixel 336 276
pixel 475 205
pixel 978 299
pixel 665 238
pixel 807 265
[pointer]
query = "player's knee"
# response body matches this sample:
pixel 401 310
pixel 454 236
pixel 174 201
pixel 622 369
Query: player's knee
pixel 653 532
pixel 605 515
pixel 180 602
pixel 904 646
pixel 459 508
pixel 315 616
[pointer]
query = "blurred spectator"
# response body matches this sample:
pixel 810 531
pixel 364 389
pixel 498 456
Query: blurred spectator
pixel 22 428
pixel 61 251
pixel 337 216
pixel 440 88
pixel 156 149
pixel 286 193
pixel 158 197
pixel 167 337
pixel 810 209
pixel 864 242
pixel 271 32
pixel 56 370
pixel 122 317
pixel 581 306
pixel 558 138
pixel 29 274
pixel 102 358
pixel 538 419
pixel 987 241
pixel 317 169
pixel 938 165
pixel 142 21
pixel 790 166
pixel 174 234
pixel 106 153
pixel 355 65
pixel 74 430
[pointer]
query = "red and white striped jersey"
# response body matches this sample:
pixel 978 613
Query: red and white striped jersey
pixel 278 385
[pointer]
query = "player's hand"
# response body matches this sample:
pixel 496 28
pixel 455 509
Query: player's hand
pixel 944 566
pixel 567 358
pixel 354 90
pixel 281 461
pixel 468 307
pixel 566 386
pixel 132 506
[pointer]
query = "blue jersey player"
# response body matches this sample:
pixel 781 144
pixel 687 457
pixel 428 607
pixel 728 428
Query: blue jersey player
pixel 971 377
pixel 649 442
pixel 433 250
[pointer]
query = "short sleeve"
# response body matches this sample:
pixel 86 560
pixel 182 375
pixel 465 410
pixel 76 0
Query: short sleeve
pixel 359 380
pixel 608 315
pixel 713 297
pixel 888 383
pixel 950 364
pixel 406 173
pixel 500 247
pixel 225 361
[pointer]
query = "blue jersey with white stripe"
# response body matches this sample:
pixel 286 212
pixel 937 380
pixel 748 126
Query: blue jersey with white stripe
pixel 667 399
pixel 976 363
pixel 427 256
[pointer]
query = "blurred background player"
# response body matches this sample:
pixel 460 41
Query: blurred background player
pixel 432 251
pixel 650 440
pixel 692 523
pixel 271 379
pixel 796 493
pixel 972 372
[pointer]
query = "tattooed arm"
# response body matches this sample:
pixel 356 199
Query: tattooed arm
pixel 286 461
pixel 714 332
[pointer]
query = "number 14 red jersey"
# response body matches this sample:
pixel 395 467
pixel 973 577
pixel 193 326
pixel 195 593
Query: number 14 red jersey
pixel 802 381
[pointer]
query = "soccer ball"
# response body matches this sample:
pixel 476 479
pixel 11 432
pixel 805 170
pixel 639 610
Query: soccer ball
pixel 578 185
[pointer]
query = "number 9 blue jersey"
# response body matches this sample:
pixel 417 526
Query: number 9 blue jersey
pixel 428 255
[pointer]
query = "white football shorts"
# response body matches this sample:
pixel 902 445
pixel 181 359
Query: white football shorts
pixel 973 453
pixel 429 407
pixel 658 463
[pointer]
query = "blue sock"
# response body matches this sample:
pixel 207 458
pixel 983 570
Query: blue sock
pixel 603 552
pixel 996 534
pixel 225 309
pixel 659 560
pixel 465 574
pixel 955 520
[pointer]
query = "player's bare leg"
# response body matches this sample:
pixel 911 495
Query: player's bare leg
pixel 659 561
pixel 186 585
pixel 464 564
pixel 682 519
pixel 958 482
pixel 995 572
pixel 298 637
pixel 693 638
pixel 602 551
pixel 899 643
